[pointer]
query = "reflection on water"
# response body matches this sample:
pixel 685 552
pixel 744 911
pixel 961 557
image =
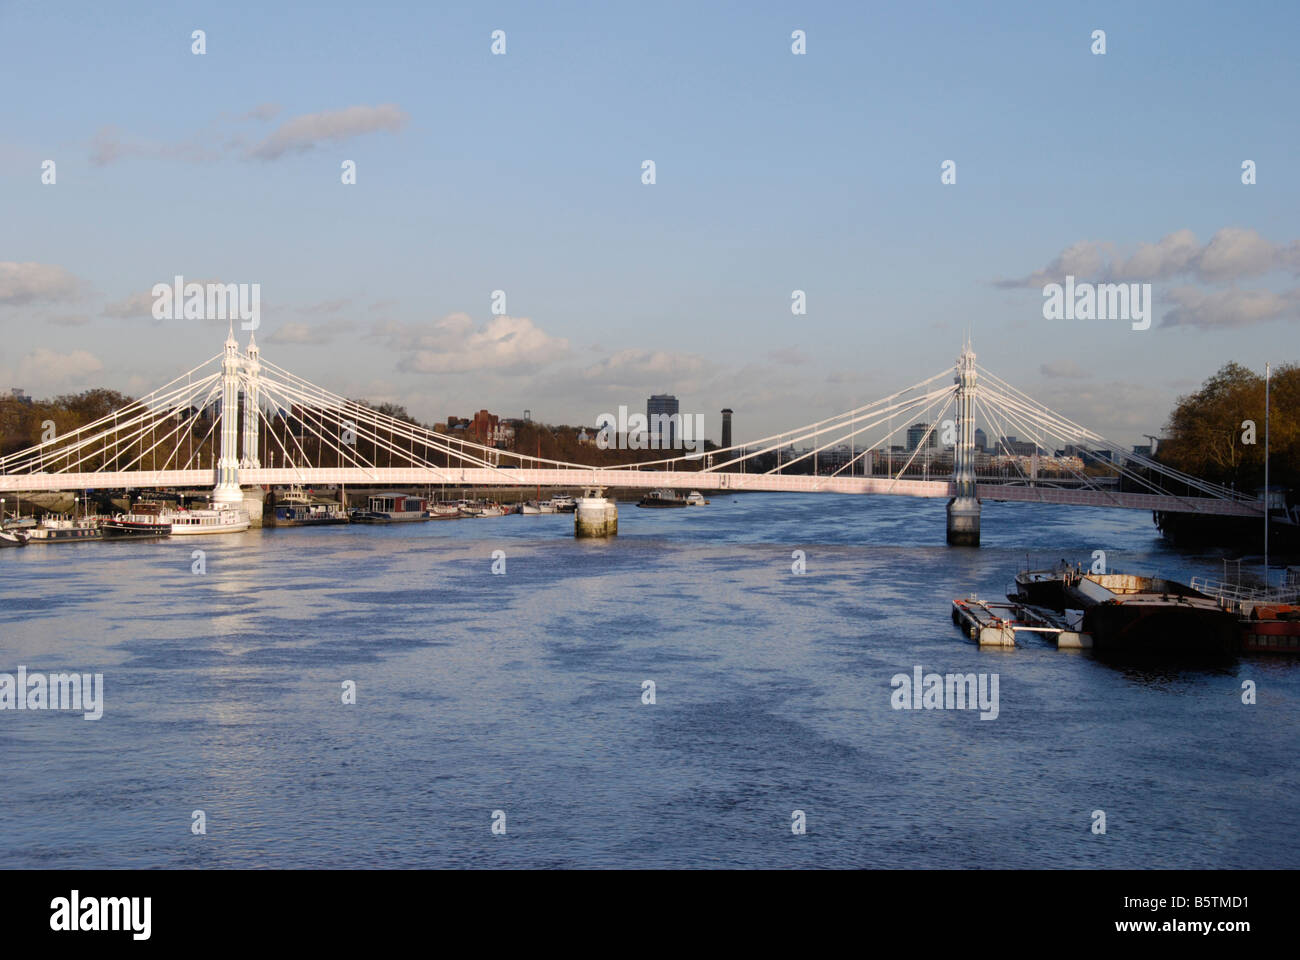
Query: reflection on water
pixel 522 693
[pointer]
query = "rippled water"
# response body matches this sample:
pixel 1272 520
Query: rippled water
pixel 522 693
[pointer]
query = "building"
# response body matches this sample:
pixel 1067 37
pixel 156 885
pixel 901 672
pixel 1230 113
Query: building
pixel 1018 448
pixel 485 428
pixel 663 432
pixel 726 427
pixel 18 394
pixel 916 432
pixel 981 440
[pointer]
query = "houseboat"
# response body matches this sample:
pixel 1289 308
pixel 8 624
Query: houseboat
pixel 296 509
pixel 64 530
pixel 392 508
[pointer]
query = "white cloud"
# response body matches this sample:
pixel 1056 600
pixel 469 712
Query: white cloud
pixel 455 344
pixel 22 283
pixel 310 334
pixel 1233 307
pixel 1063 370
pixel 44 368
pixel 638 367
pixel 1232 253
pixel 135 306
pixel 330 126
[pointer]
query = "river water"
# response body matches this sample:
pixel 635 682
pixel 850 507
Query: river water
pixel 517 699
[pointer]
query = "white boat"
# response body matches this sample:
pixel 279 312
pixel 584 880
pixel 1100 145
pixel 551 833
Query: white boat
pixel 442 510
pixel 696 499
pixel 13 538
pixel 564 504
pixel 534 507
pixel 219 519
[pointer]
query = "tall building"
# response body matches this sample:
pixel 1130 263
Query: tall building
pixel 916 432
pixel 726 427
pixel 662 405
pixel 981 440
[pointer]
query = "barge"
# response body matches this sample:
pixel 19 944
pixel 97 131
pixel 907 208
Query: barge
pixel 1145 616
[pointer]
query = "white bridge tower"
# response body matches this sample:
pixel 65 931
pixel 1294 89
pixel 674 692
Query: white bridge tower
pixel 964 508
pixel 238 373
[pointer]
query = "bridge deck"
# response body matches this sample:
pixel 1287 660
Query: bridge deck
pixel 571 478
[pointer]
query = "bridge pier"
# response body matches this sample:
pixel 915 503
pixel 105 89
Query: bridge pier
pixel 254 501
pixel 963 522
pixel 596 516
pixel 964 509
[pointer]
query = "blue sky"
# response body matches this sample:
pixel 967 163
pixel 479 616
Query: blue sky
pixel 775 172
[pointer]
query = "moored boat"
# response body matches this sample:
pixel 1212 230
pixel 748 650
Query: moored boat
pixel 662 498
pixel 392 508
pixel 64 530
pixel 144 520
pixel 217 519
pixel 296 509
pixel 1134 615
pixel 1272 628
pixel 13 538
pixel 1045 587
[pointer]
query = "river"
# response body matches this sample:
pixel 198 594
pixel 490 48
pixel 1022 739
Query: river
pixel 516 699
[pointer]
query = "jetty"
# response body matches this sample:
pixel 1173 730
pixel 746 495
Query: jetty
pixel 997 623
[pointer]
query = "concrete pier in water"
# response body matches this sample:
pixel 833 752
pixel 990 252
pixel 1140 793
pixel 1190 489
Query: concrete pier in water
pixel 596 516
pixel 963 522
pixel 964 509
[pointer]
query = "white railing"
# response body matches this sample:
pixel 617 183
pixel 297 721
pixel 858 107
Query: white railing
pixel 1240 597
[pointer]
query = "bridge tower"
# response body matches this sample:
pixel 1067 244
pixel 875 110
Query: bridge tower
pixel 227 489
pixel 964 508
pixel 252 397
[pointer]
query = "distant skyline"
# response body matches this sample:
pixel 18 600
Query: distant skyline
pixel 521 174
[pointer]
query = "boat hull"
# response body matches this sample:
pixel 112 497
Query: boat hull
pixel 1163 630
pixel 195 530
pixel 128 530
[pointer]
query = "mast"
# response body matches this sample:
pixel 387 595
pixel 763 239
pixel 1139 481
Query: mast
pixel 1267 377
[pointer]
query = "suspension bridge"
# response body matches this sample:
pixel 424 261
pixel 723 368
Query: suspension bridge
pixel 239 406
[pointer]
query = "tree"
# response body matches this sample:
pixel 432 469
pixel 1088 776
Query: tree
pixel 1208 434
